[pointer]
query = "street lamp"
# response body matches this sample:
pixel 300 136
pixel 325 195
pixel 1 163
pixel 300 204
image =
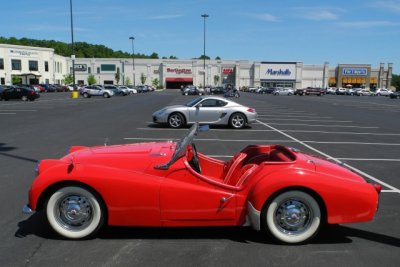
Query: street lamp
pixel 73 52
pixel 204 50
pixel 133 59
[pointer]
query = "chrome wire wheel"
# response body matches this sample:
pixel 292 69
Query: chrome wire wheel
pixel 74 212
pixel 176 120
pixel 238 121
pixel 292 217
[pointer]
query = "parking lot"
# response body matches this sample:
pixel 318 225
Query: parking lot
pixel 363 132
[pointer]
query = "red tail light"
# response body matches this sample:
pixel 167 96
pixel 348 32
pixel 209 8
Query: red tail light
pixel 252 110
pixel 378 188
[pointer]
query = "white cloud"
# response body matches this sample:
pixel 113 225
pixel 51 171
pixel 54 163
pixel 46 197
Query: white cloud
pixel 266 17
pixel 167 16
pixel 366 24
pixel 320 13
pixel 390 5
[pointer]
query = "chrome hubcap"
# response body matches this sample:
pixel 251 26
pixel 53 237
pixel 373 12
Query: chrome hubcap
pixel 237 121
pixel 293 217
pixel 175 121
pixel 74 212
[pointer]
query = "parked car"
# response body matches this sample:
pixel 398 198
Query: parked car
pixel 265 90
pixel 210 110
pixel 287 194
pixel 283 91
pixel 362 92
pixel 341 91
pixel 218 90
pixel 38 88
pixel 395 94
pixel 127 90
pixel 381 91
pixel 18 92
pixel 193 90
pixel 310 91
pixel 96 90
pixel 142 89
pixel 331 90
pixel 116 90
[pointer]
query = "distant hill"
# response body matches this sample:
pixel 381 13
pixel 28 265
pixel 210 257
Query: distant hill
pixel 82 49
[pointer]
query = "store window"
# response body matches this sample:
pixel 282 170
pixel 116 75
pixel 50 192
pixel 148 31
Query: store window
pixel 16 64
pixel 98 70
pixel 33 65
pixel 46 66
pixel 107 67
pixel 89 70
pixel 1 64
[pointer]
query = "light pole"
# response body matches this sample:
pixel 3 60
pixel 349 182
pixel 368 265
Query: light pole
pixel 73 52
pixel 133 59
pixel 204 50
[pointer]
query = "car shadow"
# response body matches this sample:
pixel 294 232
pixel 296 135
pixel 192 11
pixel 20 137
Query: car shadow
pixel 5 148
pixel 165 126
pixel 37 225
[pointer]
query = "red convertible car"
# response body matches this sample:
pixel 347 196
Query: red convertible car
pixel 280 191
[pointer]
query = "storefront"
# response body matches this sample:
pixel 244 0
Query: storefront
pixel 176 78
pixel 353 76
pixel 278 74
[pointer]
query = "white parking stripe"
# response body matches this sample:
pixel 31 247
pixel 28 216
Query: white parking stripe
pixel 308 120
pixel 352 143
pixel 334 159
pixel 349 133
pixel 363 159
pixel 294 116
pixel 19 110
pixel 326 125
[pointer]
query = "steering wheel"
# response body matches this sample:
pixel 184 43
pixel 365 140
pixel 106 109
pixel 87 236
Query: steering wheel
pixel 194 161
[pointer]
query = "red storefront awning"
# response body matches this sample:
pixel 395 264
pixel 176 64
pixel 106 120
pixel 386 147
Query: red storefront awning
pixel 171 79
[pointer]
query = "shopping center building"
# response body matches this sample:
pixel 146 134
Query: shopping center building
pixel 42 65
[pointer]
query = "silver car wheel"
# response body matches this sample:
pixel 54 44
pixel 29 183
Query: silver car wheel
pixel 238 121
pixel 176 120
pixel 74 212
pixel 292 217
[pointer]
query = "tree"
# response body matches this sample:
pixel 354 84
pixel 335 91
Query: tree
pixel 117 76
pixel 143 78
pixel 127 81
pixel 68 79
pixel 155 82
pixel 217 58
pixel 204 56
pixel 15 79
pixel 172 57
pixel 216 79
pixel 91 79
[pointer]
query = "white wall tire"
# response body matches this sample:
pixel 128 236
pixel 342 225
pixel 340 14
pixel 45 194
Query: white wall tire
pixel 292 217
pixel 74 212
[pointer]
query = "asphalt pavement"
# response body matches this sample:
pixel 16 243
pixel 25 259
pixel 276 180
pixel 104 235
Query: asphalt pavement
pixel 363 132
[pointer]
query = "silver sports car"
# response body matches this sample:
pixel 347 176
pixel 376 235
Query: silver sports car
pixel 207 109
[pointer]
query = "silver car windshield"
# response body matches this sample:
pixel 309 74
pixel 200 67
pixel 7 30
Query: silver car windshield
pixel 194 102
pixel 180 148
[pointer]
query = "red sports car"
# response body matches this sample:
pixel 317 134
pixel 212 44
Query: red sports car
pixel 286 193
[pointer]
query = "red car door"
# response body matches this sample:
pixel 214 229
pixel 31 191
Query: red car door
pixel 187 200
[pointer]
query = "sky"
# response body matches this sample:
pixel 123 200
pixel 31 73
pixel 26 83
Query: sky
pixel 309 31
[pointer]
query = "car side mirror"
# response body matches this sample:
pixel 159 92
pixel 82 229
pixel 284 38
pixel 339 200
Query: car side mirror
pixel 199 106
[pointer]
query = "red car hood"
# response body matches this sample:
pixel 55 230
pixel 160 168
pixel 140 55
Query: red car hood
pixel 135 157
